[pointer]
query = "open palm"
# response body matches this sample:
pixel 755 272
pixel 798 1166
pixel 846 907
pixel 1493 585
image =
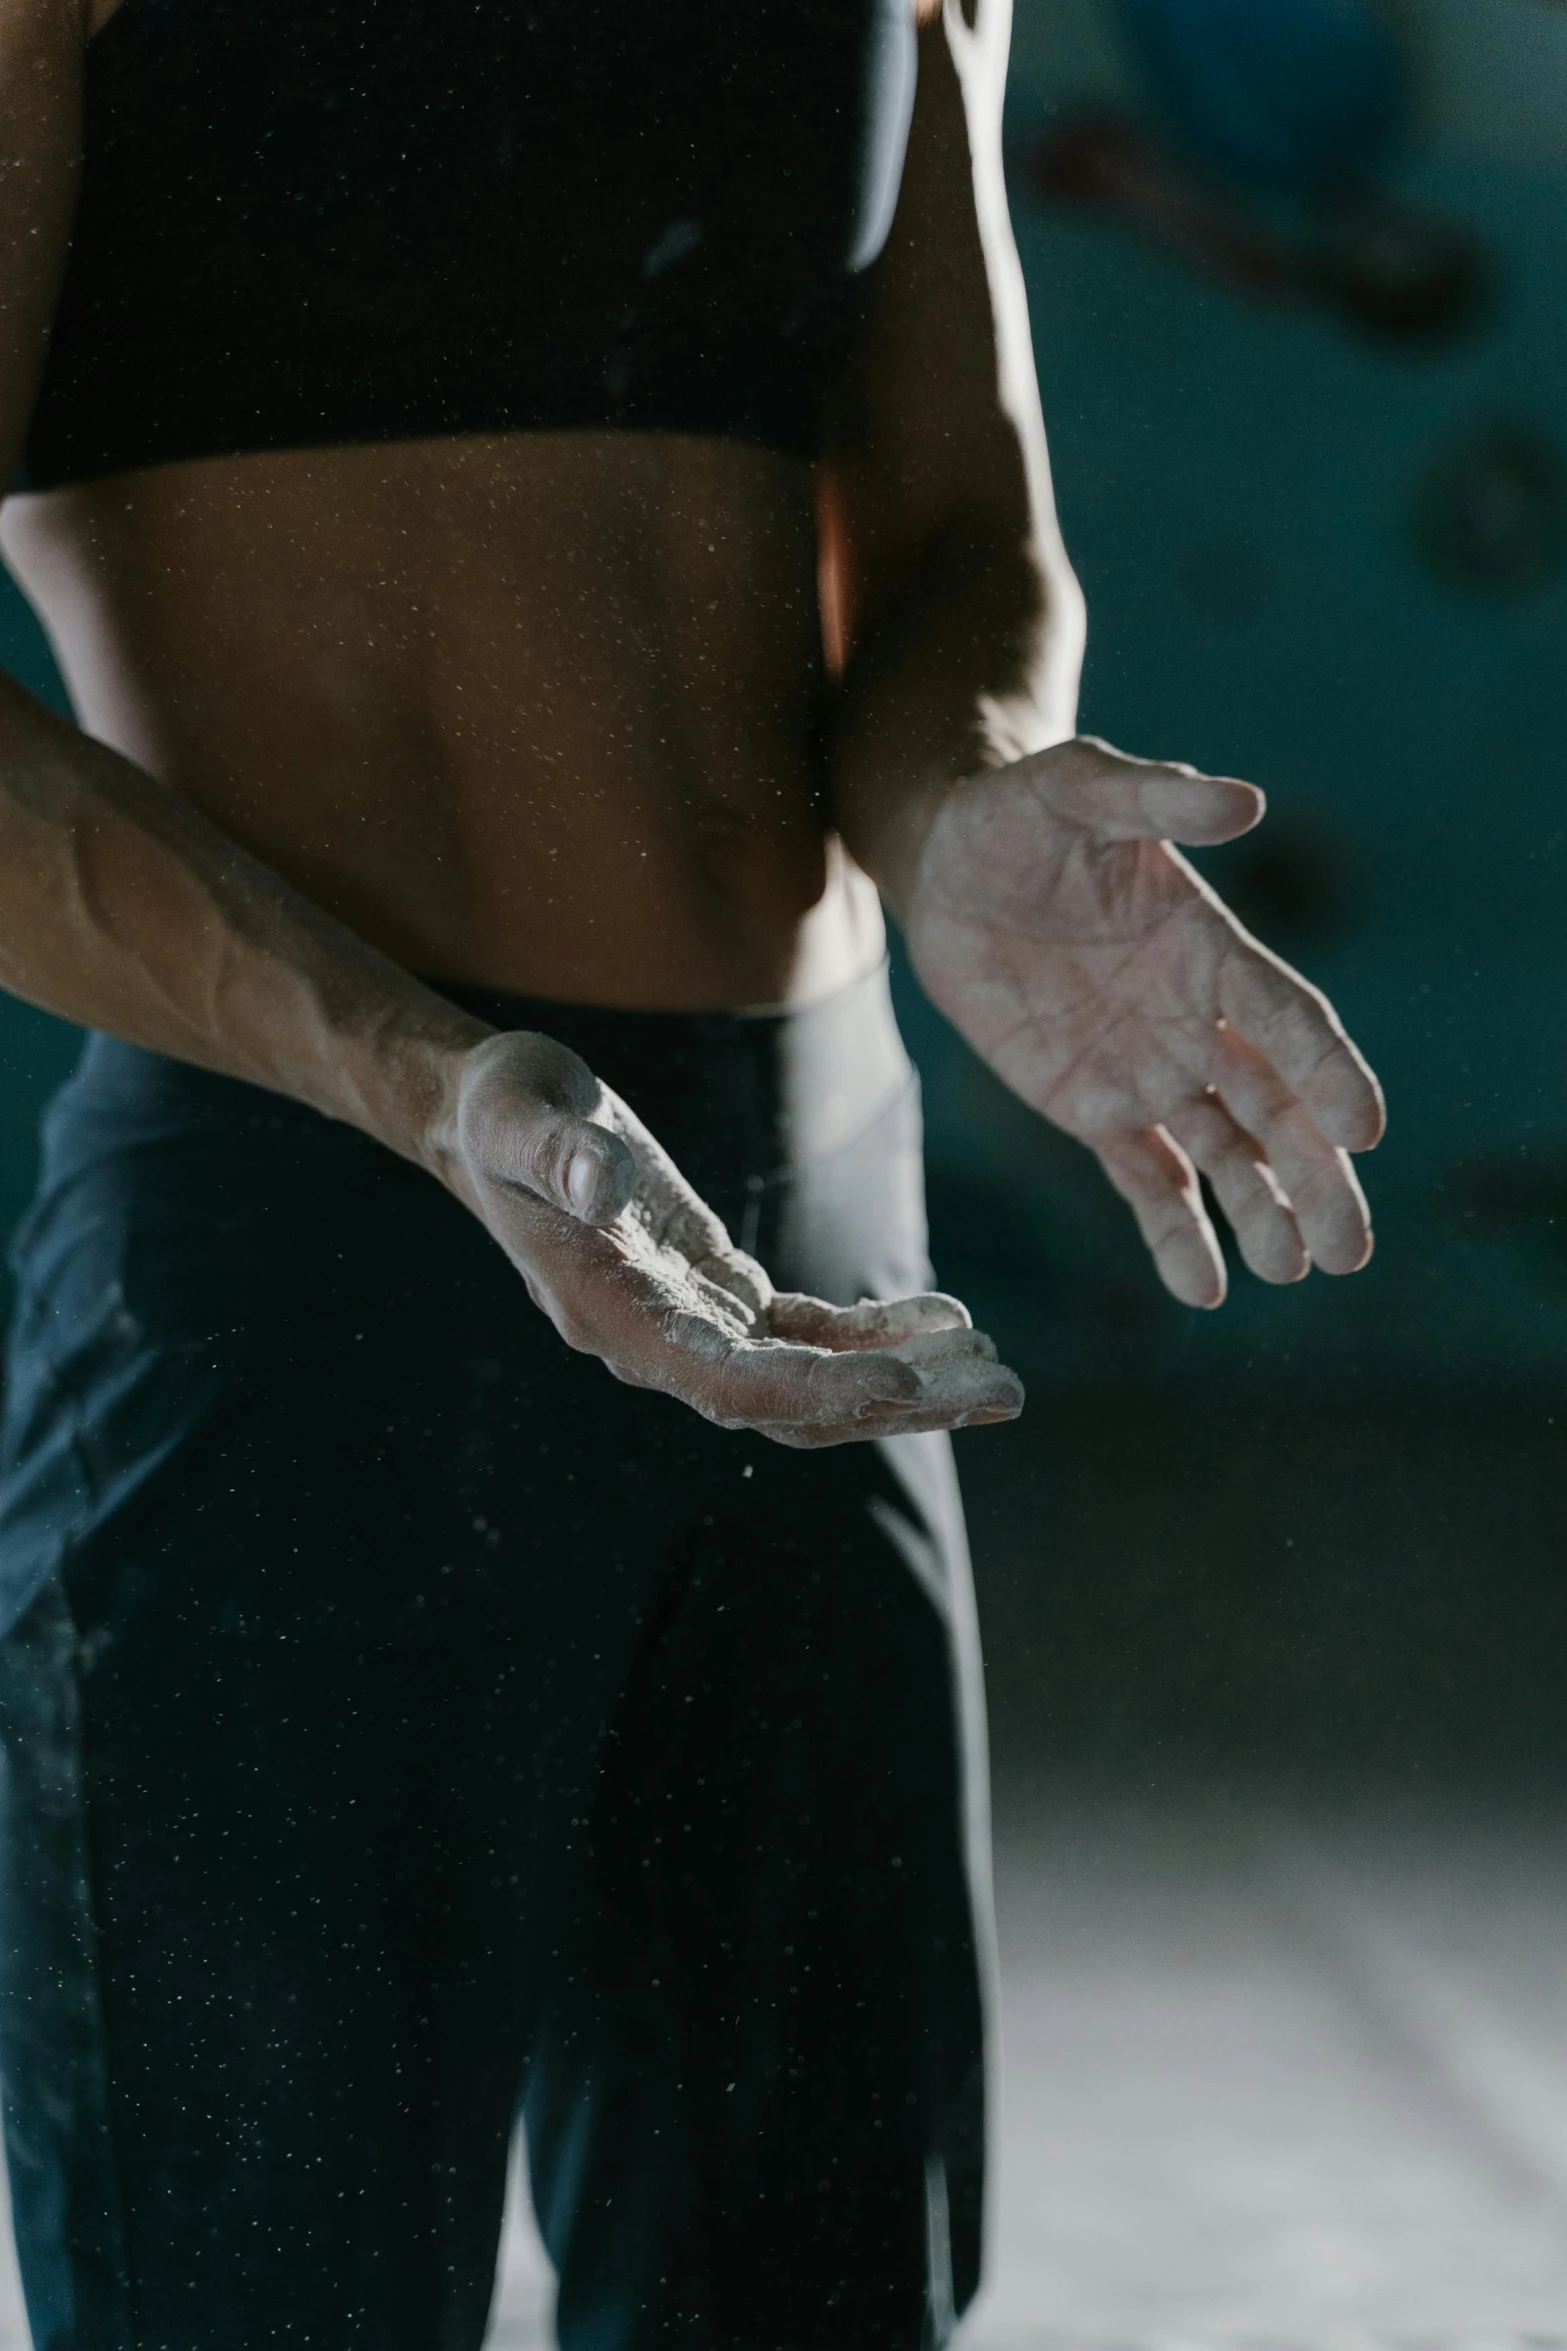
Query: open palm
pixel 1101 977
pixel 632 1266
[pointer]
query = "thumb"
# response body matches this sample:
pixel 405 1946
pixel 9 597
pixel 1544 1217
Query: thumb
pixel 581 1167
pixel 526 1119
pixel 1089 783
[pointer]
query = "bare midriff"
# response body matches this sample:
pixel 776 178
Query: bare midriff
pixel 533 711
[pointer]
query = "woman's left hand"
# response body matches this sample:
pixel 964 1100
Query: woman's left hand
pixel 1100 976
pixel 631 1265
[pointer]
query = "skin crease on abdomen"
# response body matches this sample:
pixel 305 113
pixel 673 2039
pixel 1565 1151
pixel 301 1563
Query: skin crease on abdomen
pixel 527 710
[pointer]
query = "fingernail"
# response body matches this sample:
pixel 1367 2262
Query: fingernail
pixel 582 1178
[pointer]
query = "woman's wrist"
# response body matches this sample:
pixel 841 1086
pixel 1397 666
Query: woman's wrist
pixel 887 837
pixel 400 1077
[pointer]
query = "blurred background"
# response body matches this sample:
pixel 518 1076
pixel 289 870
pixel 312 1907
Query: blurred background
pixel 1274 1601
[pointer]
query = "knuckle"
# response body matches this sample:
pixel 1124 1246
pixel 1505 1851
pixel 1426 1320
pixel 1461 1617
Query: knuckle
pixel 560 1077
pixel 712 1409
pixel 794 1439
pixel 539 1155
pixel 520 1083
pixel 579 1332
pixel 887 1379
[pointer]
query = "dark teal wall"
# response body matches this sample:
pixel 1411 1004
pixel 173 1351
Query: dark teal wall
pixel 1239 486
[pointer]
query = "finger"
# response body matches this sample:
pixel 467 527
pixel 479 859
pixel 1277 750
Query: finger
pixel 1246 1187
pixel 867 1393
pixel 570 1162
pixel 527 1117
pixel 1321 1185
pixel 874 1322
pixel 802 1438
pixel 951 1402
pixel 668 1209
pixel 767 1384
pixel 1158 1182
pixel 1089 783
pixel 611 1299
pixel 946 1379
pixel 932 1350
pixel 666 1214
pixel 1297 1028
pixel 961 1384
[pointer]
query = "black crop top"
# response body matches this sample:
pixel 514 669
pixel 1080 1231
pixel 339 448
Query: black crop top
pixel 306 222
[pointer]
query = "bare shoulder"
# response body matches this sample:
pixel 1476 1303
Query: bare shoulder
pixel 41 47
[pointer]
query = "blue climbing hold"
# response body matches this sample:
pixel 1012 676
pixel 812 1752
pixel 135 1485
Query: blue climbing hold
pixel 1295 93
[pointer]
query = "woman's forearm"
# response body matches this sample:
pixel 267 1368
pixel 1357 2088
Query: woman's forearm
pixel 942 553
pixel 122 907
pixel 974 663
pixel 119 904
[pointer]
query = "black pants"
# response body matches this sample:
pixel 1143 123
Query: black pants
pixel 402 1721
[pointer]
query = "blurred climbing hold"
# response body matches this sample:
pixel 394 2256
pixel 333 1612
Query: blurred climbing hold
pixel 1276 118
pixel 1295 94
pixel 1490 512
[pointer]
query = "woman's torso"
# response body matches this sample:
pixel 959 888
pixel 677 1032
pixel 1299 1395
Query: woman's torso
pixel 530 707
pixel 535 712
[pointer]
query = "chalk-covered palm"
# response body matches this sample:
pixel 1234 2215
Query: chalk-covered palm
pixel 632 1266
pixel 1100 976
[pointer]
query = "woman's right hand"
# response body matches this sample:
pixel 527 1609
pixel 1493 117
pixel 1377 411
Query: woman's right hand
pixel 630 1265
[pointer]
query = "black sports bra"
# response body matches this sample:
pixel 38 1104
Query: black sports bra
pixel 306 222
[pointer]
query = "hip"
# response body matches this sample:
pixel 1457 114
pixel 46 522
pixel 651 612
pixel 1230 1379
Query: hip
pixel 215 1282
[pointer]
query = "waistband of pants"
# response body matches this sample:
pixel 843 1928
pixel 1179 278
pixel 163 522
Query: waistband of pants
pixel 781 1087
